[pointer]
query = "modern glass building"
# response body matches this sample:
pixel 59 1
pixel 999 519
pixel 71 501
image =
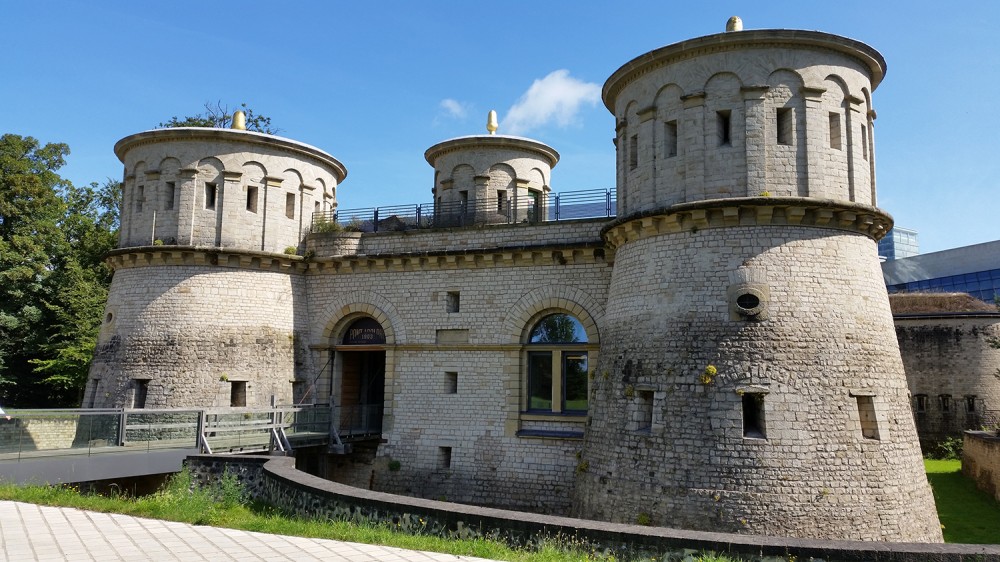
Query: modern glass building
pixel 898 243
pixel 970 269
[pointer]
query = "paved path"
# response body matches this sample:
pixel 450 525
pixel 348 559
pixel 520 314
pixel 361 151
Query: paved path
pixel 35 532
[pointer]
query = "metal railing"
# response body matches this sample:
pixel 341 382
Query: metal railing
pixel 360 420
pixel 596 203
pixel 62 432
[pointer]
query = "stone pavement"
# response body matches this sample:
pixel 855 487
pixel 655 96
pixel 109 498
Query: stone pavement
pixel 34 532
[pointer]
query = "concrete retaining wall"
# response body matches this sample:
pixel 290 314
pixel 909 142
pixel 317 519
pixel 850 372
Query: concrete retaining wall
pixel 981 460
pixel 275 480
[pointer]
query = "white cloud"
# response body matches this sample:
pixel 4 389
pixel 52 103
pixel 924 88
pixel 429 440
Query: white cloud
pixel 555 98
pixel 454 108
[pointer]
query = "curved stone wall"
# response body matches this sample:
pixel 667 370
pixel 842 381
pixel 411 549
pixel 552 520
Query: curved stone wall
pixel 817 359
pixel 743 114
pixel 222 188
pixel 184 333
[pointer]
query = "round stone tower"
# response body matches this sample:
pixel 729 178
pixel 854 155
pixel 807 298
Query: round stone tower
pixel 749 378
pixel 205 306
pixel 482 179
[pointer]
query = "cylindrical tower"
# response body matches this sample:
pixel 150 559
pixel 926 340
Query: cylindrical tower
pixel 483 179
pixel 205 306
pixel 749 379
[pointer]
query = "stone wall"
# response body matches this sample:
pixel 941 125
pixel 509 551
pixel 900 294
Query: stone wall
pixel 981 460
pixel 275 481
pixel 951 371
pixel 19 434
pixel 195 331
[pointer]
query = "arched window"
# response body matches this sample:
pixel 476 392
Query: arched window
pixel 557 366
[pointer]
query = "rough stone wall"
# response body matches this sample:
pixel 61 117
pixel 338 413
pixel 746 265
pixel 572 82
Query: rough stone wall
pixel 825 345
pixel 981 461
pixel 951 371
pixel 193 331
pixel 36 435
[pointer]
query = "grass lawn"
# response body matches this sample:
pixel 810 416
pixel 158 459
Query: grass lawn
pixel 967 514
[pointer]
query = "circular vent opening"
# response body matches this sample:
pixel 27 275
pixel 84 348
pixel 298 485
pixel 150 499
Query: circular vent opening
pixel 747 301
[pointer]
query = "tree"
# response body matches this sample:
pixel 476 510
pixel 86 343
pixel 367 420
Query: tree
pixel 220 117
pixel 30 241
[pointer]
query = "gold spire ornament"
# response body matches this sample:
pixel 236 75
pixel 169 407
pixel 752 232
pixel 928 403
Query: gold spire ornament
pixel 239 121
pixel 491 122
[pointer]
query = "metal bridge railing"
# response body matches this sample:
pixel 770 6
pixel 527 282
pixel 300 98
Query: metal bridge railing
pixel 571 205
pixel 62 432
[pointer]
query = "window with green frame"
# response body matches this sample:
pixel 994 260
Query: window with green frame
pixel 557 367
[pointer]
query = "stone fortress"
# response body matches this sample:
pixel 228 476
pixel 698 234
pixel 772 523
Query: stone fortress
pixel 720 356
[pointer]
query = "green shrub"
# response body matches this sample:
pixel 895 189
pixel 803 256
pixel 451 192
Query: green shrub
pixel 949 448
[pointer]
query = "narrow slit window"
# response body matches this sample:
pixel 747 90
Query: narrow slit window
pixel 753 415
pixel 970 404
pixel 501 201
pixel 944 402
pixel 444 457
pixel 290 205
pixel 921 403
pixel 451 382
pixel 238 394
pixel 252 192
pixel 453 301
pixel 644 411
pixel 784 125
pixel 633 152
pixel 139 198
pixel 723 121
pixel 864 142
pixel 835 134
pixel 670 138
pixel 169 195
pixel 210 191
pixel 866 414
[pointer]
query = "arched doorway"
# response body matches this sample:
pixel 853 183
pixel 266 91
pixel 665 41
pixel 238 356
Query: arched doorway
pixel 361 393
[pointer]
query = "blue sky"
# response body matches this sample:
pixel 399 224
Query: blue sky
pixel 377 83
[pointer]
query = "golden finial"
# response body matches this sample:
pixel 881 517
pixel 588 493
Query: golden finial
pixel 734 24
pixel 239 121
pixel 491 122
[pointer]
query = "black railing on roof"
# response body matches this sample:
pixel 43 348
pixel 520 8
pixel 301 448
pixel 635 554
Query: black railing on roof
pixel 595 203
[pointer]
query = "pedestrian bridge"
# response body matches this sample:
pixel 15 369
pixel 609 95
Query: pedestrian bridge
pixel 79 445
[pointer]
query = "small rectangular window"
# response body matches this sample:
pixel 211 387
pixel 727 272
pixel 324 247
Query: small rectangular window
pixel 252 192
pixel 316 207
pixel 238 394
pixel 753 415
pixel 921 402
pixel 169 195
pixel 944 402
pixel 210 191
pixel 970 404
pixel 141 390
pixel 451 382
pixel 444 457
pixel 723 127
pixel 139 198
pixel 453 301
pixel 290 205
pixel 501 201
pixel 464 201
pixel 835 140
pixel 644 410
pixel 670 138
pixel 784 125
pixel 866 414
pixel 633 152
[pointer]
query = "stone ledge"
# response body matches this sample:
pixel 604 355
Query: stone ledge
pixel 749 211
pixel 275 480
pixel 198 256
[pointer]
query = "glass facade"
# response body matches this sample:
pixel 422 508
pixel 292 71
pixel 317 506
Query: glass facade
pixel 984 285
pixel 898 243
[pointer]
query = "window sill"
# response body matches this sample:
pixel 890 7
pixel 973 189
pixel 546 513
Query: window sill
pixel 554 416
